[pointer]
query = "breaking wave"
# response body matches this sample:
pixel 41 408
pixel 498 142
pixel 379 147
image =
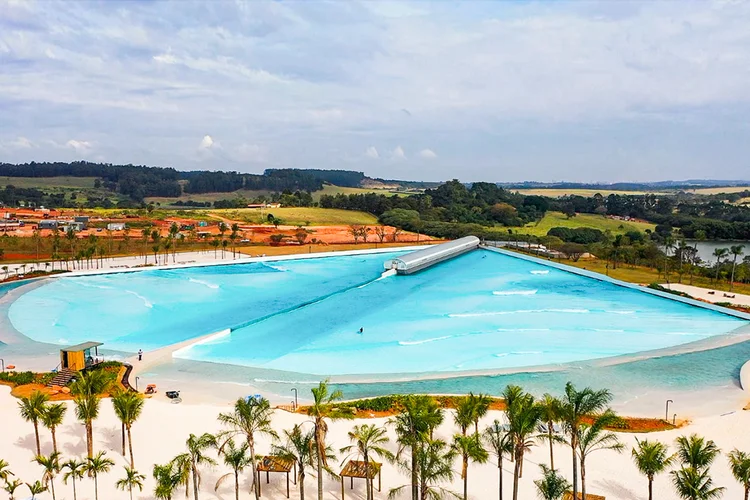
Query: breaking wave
pixel 205 283
pixel 514 292
pixel 144 299
pixel 539 272
pixel 522 311
pixel 425 341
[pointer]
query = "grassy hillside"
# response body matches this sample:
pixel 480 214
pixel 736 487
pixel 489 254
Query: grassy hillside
pixel 48 182
pixel 557 193
pixel 557 219
pixel 301 216
pixel 334 190
pixel 720 190
pixel 203 197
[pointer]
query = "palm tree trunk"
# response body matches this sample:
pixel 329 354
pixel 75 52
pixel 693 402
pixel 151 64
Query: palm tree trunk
pixel 414 476
pixel 130 448
pixel 251 445
pixel 122 432
pixel 551 452
pixel 575 465
pixel 368 481
pixel 500 477
pixel 130 490
pixel 96 488
pixel 747 492
pixel 465 474
pixel 516 472
pixel 36 436
pixel 301 481
pixel 236 485
pixel 74 489
pixel 320 475
pixel 651 489
pixel 90 438
pixel 734 265
pixel 195 481
pixel 52 488
pixel 54 439
pixel 583 479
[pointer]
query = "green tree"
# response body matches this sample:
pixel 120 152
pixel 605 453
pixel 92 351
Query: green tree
pixel 651 458
pixel 11 487
pixel 368 441
pixel 188 463
pixel 523 417
pixel 693 484
pixel 552 486
pixel 52 418
pixel 97 465
pixel 719 253
pixel 86 391
pixel 168 478
pixel 250 418
pixel 500 442
pixel 75 470
pixel 324 407
pixel 736 251
pixel 434 466
pixel 32 410
pixel 238 459
pixel 132 479
pixel 35 489
pixel 5 472
pixel 694 451
pixel 469 448
pixel 574 406
pixel 419 416
pixel 550 408
pixel 595 437
pixel 51 466
pixel 739 462
pixel 299 447
pixel 128 407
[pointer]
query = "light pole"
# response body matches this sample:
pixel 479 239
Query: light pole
pixel 674 419
pixel 3 362
pixel 136 384
pixel 294 389
pixel 666 412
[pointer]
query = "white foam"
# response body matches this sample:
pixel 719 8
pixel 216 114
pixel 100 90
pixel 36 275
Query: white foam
pixel 144 299
pixel 523 329
pixel 521 311
pixel 609 331
pixel 620 312
pixel 276 267
pixel 516 353
pixel 539 272
pixel 425 341
pixel 514 292
pixel 205 283
pixel 271 381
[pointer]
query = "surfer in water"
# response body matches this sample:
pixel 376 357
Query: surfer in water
pixel 361 331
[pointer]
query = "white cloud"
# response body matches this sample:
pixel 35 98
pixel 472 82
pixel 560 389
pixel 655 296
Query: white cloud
pixel 79 146
pixel 208 143
pixel 398 153
pixel 372 152
pixel 21 143
pixel 251 153
pixel 428 154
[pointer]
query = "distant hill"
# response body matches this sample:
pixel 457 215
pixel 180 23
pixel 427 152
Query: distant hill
pixel 628 186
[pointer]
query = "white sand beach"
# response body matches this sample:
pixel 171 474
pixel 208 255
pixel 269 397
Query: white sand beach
pixel 161 432
pixel 715 297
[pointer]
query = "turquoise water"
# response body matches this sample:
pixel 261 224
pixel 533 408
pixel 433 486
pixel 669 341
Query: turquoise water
pixel 482 310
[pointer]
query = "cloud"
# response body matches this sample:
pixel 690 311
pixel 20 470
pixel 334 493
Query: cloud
pixel 208 143
pixel 398 153
pixel 21 143
pixel 79 146
pixel 371 152
pixel 428 154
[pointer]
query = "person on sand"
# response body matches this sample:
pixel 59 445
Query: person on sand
pixel 140 354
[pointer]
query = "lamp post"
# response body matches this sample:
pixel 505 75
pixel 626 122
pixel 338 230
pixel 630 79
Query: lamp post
pixel 3 362
pixel 666 412
pixel 294 389
pixel 136 384
pixel 674 419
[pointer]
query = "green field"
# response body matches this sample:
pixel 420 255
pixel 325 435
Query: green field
pixel 48 182
pixel 203 197
pixel 557 193
pixel 558 219
pixel 300 216
pixel 334 190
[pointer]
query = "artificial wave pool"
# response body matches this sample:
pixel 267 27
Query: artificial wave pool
pixel 480 311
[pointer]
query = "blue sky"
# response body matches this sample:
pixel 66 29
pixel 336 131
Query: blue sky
pixel 497 91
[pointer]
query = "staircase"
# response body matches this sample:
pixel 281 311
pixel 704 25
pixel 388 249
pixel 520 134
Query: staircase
pixel 62 378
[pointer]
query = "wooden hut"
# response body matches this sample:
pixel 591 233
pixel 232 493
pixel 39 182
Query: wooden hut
pixel 79 357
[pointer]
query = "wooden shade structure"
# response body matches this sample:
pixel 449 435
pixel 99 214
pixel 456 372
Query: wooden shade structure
pixel 360 470
pixel 270 464
pixel 78 357
pixel 569 496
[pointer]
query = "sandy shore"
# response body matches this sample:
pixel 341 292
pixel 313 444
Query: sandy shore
pixel 717 295
pixel 160 434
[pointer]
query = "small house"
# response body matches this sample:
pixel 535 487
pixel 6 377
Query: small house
pixel 83 220
pixel 116 226
pixel 80 356
pixel 48 224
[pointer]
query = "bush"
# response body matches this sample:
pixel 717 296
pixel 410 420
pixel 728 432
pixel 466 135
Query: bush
pixel 25 378
pixel 657 286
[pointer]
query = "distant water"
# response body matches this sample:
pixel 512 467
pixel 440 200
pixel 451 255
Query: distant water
pixel 706 248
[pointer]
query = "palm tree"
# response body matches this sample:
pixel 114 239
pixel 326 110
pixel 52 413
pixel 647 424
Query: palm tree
pixel 719 253
pixel 32 410
pixel 651 458
pixel 96 465
pixel 300 448
pixel 86 391
pixel 368 442
pixel 35 488
pixel 464 415
pixel 419 416
pixel 51 466
pixel 434 466
pixel 694 484
pixel 168 478
pixel 324 407
pixel 251 417
pixel 469 448
pixel 501 444
pixel 739 462
pixel 552 486
pixel 237 459
pixel 75 471
pixel 12 486
pixel 574 406
pixel 52 418
pixel 550 408
pixel 132 479
pixel 128 406
pixel 523 417
pixel 5 472
pixel 595 437
pixel 736 251
pixel 188 463
pixel 696 452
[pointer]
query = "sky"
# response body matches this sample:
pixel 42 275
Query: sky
pixel 496 91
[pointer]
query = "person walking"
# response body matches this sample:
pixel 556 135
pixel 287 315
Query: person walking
pixel 140 354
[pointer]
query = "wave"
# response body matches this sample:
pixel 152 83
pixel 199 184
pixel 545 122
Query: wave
pixel 607 330
pixel 201 282
pixel 89 285
pixel 521 311
pixel 271 381
pixel 523 329
pixel 514 292
pixel 144 299
pixel 275 267
pixel 425 341
pixel 620 312
pixel 517 353
pixel 539 272
pixel 688 334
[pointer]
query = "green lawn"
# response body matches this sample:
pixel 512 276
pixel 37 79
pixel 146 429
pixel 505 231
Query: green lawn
pixel 301 216
pixel 557 219
pixel 46 182
pixel 334 190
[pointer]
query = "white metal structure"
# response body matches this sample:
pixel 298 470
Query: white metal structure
pixel 421 259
